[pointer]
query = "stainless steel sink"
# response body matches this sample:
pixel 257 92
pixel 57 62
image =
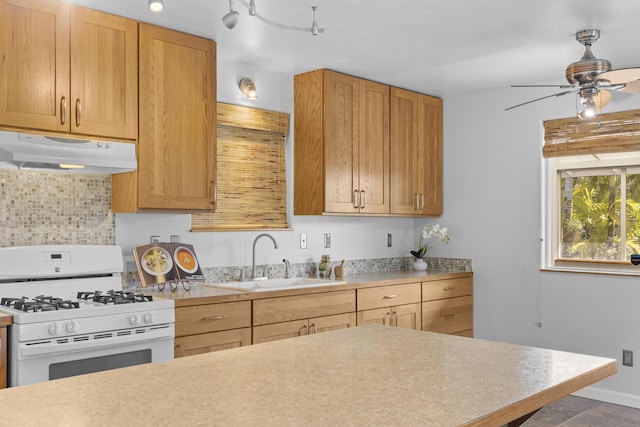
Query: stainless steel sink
pixel 274 284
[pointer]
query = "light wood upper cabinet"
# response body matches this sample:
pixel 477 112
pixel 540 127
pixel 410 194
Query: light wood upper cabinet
pixel 104 74
pixel 177 140
pixel 67 69
pixel 416 153
pixel 341 145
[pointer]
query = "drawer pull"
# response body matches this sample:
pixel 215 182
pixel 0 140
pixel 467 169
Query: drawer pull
pixel 390 296
pixel 220 317
pixel 449 316
pixel 450 288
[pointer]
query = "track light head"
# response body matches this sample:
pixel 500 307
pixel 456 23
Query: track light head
pixel 230 20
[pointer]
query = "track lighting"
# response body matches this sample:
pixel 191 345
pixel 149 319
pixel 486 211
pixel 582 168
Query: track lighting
pixel 156 6
pixel 248 88
pixel 230 20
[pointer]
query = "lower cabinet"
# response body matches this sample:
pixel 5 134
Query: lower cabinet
pixel 394 305
pixel 296 315
pixel 211 327
pixel 447 306
pixel 297 328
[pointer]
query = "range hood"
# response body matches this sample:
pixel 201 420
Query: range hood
pixel 57 154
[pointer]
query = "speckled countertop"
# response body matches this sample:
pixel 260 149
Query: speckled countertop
pixel 366 376
pixel 202 294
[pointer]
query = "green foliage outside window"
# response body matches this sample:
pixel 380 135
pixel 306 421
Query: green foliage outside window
pixel 591 216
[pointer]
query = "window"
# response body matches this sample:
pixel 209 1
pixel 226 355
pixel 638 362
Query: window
pixel 593 193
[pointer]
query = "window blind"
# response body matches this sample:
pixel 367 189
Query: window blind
pixel 606 133
pixel 251 181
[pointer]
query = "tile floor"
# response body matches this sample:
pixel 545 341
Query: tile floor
pixel 573 411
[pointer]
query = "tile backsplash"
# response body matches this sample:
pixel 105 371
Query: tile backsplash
pixel 48 208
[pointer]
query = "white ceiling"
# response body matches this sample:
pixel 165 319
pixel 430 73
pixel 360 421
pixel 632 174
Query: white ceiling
pixel 440 47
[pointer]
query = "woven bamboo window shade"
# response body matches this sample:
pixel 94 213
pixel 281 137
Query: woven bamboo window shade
pixel 251 182
pixel 606 133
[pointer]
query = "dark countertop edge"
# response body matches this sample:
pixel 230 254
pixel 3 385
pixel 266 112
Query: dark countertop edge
pixel 200 294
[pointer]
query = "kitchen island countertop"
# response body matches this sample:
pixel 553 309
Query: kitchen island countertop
pixel 368 375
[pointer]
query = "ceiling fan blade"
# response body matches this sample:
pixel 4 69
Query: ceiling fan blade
pixel 601 99
pixel 558 86
pixel 623 75
pixel 538 99
pixel 631 87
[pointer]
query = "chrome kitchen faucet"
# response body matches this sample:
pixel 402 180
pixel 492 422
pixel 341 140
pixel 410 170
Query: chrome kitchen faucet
pixel 253 260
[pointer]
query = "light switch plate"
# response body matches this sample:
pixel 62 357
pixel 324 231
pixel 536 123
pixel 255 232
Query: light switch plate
pixel 327 240
pixel 303 241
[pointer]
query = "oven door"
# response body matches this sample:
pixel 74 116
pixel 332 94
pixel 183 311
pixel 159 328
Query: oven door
pixel 61 357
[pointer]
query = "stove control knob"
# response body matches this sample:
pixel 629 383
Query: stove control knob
pixel 72 326
pixel 54 329
pixel 149 317
pixel 134 319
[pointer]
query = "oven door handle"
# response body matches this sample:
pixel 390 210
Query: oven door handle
pixel 52 347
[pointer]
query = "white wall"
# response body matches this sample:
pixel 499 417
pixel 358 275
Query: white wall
pixel 351 238
pixel 492 206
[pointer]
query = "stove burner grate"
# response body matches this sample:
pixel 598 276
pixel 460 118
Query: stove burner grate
pixel 114 297
pixel 39 303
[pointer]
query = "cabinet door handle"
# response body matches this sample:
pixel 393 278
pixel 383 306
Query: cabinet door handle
pixel 355 200
pixel 214 192
pixel 312 329
pixel 63 110
pixel 390 296
pixel 362 199
pixel 303 330
pixel 394 318
pixel 78 112
pixel 180 349
pixel 415 201
pixel 384 319
pixel 421 201
pixel 220 317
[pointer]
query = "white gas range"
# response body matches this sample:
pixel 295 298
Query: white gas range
pixel 72 317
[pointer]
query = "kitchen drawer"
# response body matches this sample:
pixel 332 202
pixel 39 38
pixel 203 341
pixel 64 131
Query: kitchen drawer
pixel 449 288
pixel 387 296
pixel 448 315
pixel 295 307
pixel 200 319
pixel 213 341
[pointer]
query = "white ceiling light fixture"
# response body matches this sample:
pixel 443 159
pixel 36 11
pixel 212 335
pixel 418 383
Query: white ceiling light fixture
pixel 247 87
pixel 230 20
pixel 156 6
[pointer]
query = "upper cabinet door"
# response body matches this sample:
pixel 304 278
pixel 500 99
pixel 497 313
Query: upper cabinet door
pixel 405 198
pixel 177 140
pixel 430 152
pixel 34 64
pixel 341 121
pixel 373 160
pixel 104 74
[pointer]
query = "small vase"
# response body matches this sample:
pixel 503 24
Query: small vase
pixel 419 264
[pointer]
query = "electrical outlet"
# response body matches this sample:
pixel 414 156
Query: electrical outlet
pixel 303 241
pixel 627 358
pixel 389 242
pixel 327 240
pixel 154 239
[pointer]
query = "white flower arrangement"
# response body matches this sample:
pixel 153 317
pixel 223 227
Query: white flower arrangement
pixel 428 233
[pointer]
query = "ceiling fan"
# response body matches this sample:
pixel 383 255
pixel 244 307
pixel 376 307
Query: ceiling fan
pixel 592 79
